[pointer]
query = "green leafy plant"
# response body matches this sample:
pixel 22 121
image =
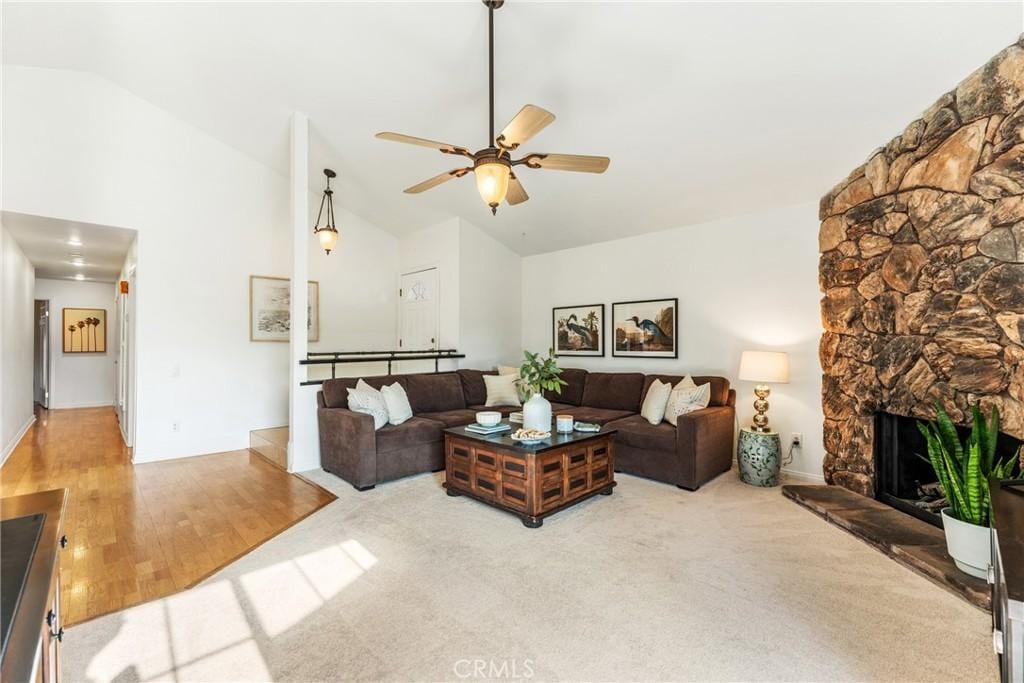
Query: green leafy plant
pixel 541 374
pixel 964 469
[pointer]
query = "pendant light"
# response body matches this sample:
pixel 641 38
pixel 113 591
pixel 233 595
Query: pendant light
pixel 328 234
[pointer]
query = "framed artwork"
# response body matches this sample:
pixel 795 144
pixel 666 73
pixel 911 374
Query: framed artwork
pixel 646 329
pixel 85 330
pixel 578 330
pixel 269 313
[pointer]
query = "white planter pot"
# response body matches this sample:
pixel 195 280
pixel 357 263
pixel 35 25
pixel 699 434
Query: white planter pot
pixel 969 545
pixel 537 413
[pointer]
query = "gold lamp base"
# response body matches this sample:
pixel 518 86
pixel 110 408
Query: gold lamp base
pixel 760 421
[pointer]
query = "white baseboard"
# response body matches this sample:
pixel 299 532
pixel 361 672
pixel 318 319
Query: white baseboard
pixel 9 448
pixel 809 477
pixel 70 406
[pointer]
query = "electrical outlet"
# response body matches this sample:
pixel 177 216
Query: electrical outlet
pixel 798 439
pixel 175 426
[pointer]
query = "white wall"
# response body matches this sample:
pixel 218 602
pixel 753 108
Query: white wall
pixel 79 380
pixel 743 283
pixel 207 217
pixel 358 292
pixel 490 290
pixel 17 328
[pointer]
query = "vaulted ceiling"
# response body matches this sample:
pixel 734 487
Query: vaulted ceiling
pixel 706 109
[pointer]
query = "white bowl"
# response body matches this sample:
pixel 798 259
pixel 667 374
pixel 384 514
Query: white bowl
pixel 488 418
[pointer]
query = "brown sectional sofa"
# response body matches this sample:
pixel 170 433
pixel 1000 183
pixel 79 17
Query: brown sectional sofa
pixel 694 452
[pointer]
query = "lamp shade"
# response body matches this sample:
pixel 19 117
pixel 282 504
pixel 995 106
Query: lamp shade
pixel 764 366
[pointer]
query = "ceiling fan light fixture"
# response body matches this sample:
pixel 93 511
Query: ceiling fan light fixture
pixel 492 182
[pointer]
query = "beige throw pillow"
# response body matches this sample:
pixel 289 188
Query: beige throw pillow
pixel 686 397
pixel 397 403
pixel 502 390
pixel 655 402
pixel 521 389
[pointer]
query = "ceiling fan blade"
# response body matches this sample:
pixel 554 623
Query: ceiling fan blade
pixel 516 194
pixel 568 162
pixel 437 180
pixel 423 142
pixel 530 120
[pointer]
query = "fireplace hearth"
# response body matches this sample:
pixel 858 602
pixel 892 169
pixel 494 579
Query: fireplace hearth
pixel 904 479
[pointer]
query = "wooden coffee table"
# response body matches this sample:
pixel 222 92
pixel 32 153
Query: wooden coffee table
pixel 531 482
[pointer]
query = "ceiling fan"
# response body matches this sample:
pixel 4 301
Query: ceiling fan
pixel 492 165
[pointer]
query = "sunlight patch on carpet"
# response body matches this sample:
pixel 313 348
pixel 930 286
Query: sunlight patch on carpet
pixel 285 593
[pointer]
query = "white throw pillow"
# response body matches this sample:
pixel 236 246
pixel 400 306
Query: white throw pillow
pixel 508 370
pixel 686 397
pixel 655 402
pixel 502 390
pixel 366 399
pixel 397 403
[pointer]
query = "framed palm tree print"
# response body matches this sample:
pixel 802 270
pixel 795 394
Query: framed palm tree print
pixel 578 330
pixel 646 329
pixel 85 330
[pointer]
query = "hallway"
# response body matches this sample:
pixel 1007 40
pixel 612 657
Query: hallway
pixel 140 532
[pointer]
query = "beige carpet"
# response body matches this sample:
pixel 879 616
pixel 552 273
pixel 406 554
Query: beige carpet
pixel 651 583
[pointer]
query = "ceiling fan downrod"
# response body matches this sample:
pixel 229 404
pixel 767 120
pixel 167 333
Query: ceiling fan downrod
pixel 491 6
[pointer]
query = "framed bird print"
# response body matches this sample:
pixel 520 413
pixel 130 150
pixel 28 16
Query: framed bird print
pixel 85 330
pixel 646 329
pixel 578 330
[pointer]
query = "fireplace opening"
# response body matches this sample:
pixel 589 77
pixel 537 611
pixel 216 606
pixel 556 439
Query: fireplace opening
pixel 904 478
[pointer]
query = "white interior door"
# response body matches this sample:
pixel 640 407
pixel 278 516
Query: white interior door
pixel 418 311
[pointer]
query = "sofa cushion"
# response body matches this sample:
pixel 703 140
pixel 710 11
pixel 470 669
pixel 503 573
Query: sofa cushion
pixel 473 388
pixel 637 432
pixel 434 392
pixel 599 416
pixel 557 408
pixel 335 390
pixel 719 386
pixel 613 391
pixel 414 432
pixel 572 392
pixel 452 418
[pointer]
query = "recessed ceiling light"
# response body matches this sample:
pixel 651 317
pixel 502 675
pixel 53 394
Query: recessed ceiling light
pixel 75 242
pixel 79 277
pixel 77 263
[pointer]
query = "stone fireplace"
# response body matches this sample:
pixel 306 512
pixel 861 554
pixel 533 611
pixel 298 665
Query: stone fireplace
pixel 922 269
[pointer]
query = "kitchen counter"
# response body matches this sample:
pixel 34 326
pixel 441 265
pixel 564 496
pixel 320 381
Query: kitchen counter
pixel 32 537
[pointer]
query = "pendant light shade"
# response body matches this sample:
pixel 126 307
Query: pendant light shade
pixel 328 233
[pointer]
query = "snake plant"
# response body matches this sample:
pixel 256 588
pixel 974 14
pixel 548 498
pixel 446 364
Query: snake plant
pixel 964 469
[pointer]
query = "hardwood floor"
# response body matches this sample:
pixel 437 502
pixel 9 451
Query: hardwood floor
pixel 139 532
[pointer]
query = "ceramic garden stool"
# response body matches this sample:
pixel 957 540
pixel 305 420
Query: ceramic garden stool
pixel 759 455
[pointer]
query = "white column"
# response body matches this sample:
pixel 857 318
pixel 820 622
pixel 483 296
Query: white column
pixel 299 438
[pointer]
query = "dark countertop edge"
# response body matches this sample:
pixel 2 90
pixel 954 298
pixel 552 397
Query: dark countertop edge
pixel 24 647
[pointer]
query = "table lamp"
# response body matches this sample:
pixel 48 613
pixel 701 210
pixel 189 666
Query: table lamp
pixel 762 367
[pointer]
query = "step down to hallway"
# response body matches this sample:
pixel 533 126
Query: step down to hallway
pixel 272 444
